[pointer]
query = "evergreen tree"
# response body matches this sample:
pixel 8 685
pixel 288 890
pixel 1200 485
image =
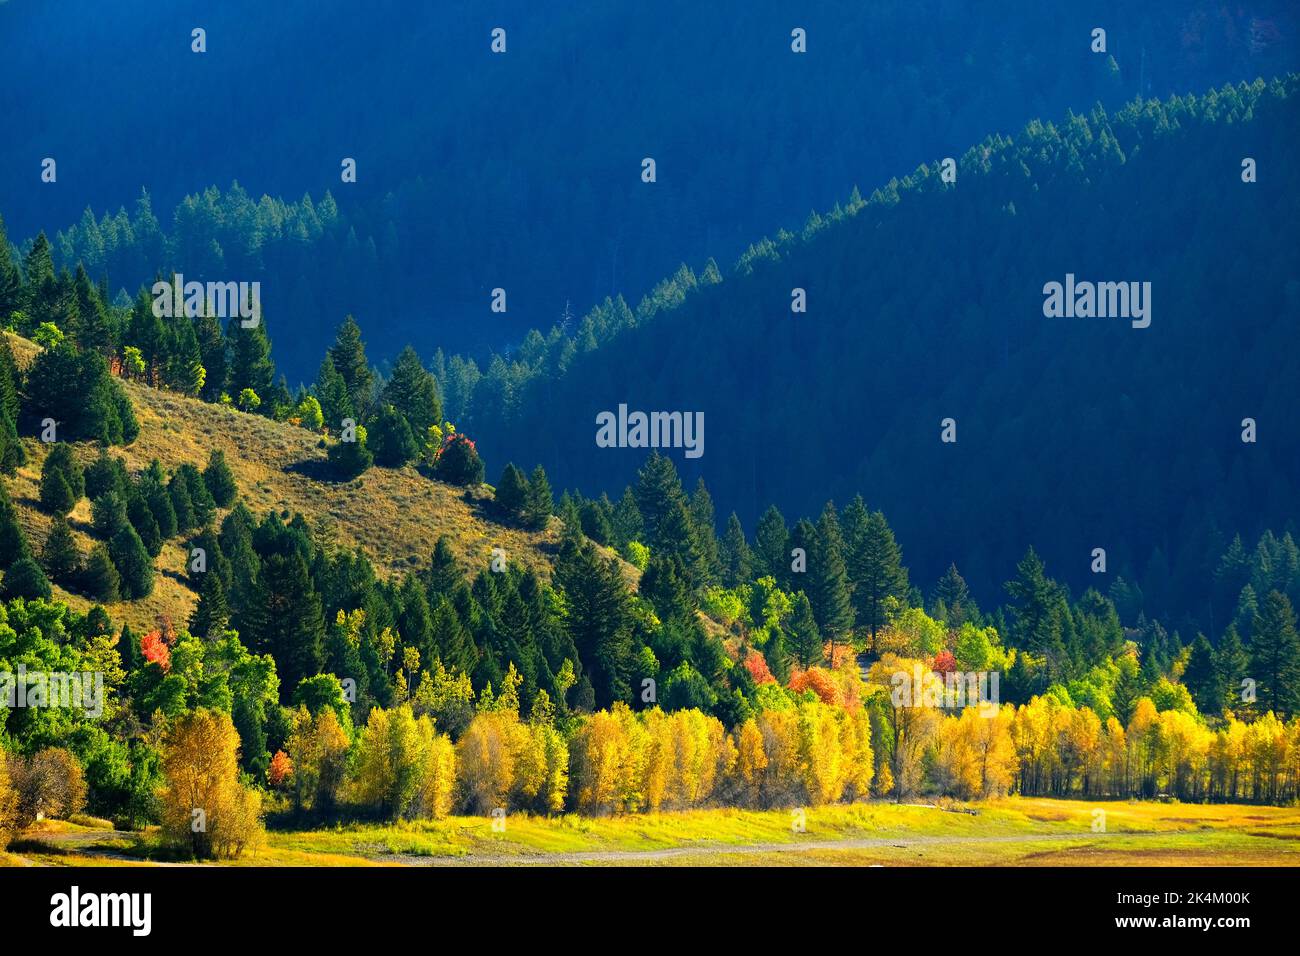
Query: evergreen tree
pixel 771 546
pixel 828 579
pixel 414 393
pixel 597 520
pixel 805 637
pixel 444 573
pixel 202 504
pixel 56 495
pixel 1231 662
pixel 389 438
pixel 349 459
pixel 658 494
pixel 220 480
pixel 133 564
pixel 106 473
pixel 677 536
pixel 213 356
pixel 250 360
pixel 706 530
pixel 348 354
pixel 60 556
pixel 108 515
pixel 451 644
pixel 99 578
pixel 1201 677
pixel 511 494
pixel 666 585
pixel 153 490
pixel 877 574
pixel 284 619
pixel 1275 656
pixel 179 493
pixel 736 557
pixel 539 504
pixel 13 543
pixel 10 280
pixel 951 592
pixel 628 523
pixel 597 620
pixel 25 579
pixel 212 613
pixel 332 393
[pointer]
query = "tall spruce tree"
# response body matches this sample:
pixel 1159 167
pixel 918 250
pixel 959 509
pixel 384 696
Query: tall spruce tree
pixel 414 393
pixel 348 354
pixel 877 574
pixel 772 546
pixel 1275 656
pixel 59 555
pixel 829 581
pixel 737 563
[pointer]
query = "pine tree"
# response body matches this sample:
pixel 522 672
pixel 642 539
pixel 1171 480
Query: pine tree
pixel 106 473
pixel 597 619
pixel 128 648
pixel 390 440
pixel 597 520
pixel 413 392
pixel 658 493
pixel 108 515
pixel 349 357
pixel 451 642
pixel 202 504
pixel 25 579
pixel 213 356
pixel 60 556
pixel 1275 656
pixel 706 530
pixel 737 562
pixel 628 523
pixel 179 493
pixel 511 494
pixel 250 360
pixel 677 536
pixel 539 503
pixel 349 459
pixel 61 458
pixel 1231 662
pixel 220 480
pixel 99 578
pixel 212 613
pixel 133 564
pixel 284 619
pixel 772 546
pixel 877 574
pixel 1036 601
pixel 13 543
pixel 10 280
pixel 952 593
pixel 444 573
pixel 154 492
pixel 1201 677
pixel 55 493
pixel 332 393
pixel 829 580
pixel 805 637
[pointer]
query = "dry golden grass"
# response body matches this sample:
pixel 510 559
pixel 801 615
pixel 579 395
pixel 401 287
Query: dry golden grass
pixel 396 516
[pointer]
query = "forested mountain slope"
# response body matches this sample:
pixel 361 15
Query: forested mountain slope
pixel 527 177
pixel 927 302
pixel 394 515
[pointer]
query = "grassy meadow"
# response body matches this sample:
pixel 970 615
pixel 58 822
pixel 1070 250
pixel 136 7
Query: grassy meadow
pixel 1008 832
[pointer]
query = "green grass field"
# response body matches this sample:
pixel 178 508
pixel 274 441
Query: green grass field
pixel 1013 831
